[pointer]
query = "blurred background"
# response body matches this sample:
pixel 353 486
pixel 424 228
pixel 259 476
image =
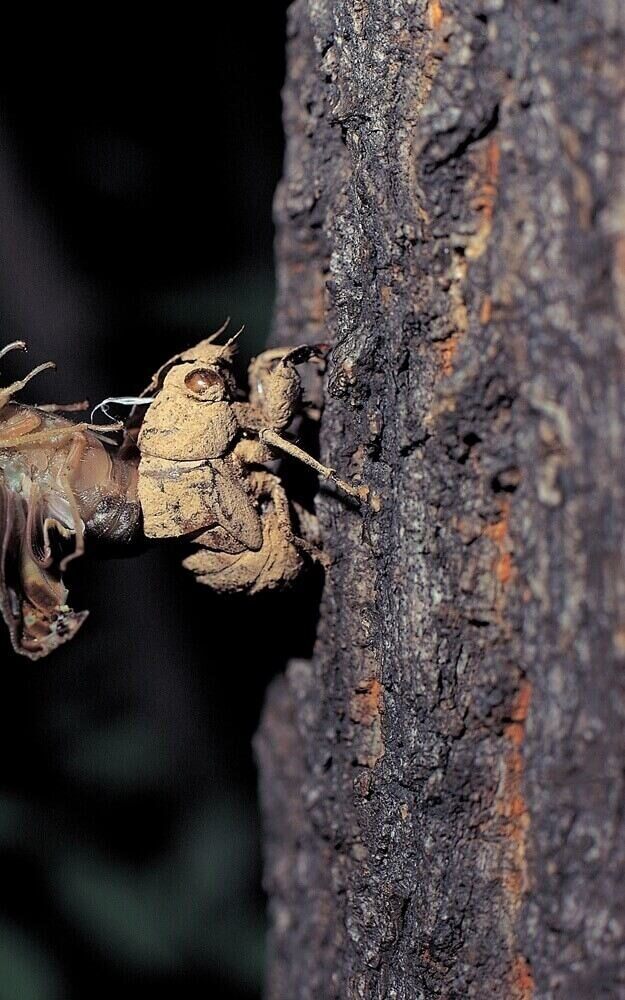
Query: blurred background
pixel 136 217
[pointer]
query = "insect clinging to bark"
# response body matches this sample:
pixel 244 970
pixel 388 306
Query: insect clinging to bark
pixel 203 473
pixel 193 465
pixel 60 483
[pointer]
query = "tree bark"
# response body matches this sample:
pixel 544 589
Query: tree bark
pixel 442 785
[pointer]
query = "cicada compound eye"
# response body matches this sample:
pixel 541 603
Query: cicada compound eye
pixel 204 382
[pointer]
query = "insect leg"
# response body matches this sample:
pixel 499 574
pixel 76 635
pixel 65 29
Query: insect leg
pixel 56 435
pixel 276 441
pixel 275 386
pixel 266 484
pixel 73 457
pixel 19 426
pixel 11 390
pixel 64 407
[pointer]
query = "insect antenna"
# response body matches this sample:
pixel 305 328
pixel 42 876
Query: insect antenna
pixel 215 336
pixel 17 345
pixel 234 339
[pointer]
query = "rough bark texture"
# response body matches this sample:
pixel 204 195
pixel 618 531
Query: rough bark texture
pixel 443 784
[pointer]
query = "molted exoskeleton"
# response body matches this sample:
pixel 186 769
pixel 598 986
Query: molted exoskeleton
pixel 202 472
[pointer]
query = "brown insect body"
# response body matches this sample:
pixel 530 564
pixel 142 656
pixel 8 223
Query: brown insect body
pixel 201 475
pixel 59 482
pixel 203 466
pixel 206 479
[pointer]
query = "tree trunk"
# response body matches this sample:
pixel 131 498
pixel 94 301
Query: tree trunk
pixel 442 786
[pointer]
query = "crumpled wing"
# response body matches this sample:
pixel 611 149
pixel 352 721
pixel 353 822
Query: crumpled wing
pixel 32 594
pixel 181 498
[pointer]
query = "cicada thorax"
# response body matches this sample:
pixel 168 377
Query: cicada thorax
pixel 188 478
pixel 192 418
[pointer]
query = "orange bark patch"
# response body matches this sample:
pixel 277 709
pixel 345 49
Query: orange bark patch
pixel 618 273
pixel 619 255
pixel 504 568
pixel 447 350
pixel 366 703
pixel 436 14
pixel 511 813
pixel 492 161
pixel 514 824
pixel 512 810
pixel 498 532
pixel 486 310
pixel 515 729
pixel 484 185
pixel 365 709
pixel 522 981
pixel 487 160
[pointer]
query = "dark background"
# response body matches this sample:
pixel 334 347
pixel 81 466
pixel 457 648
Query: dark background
pixel 136 217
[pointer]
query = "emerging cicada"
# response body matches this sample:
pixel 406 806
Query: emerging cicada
pixel 60 483
pixel 199 474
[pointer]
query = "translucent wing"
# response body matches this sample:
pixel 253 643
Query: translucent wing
pixel 32 594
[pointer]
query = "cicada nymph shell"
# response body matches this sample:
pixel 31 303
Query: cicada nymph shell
pixel 203 472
